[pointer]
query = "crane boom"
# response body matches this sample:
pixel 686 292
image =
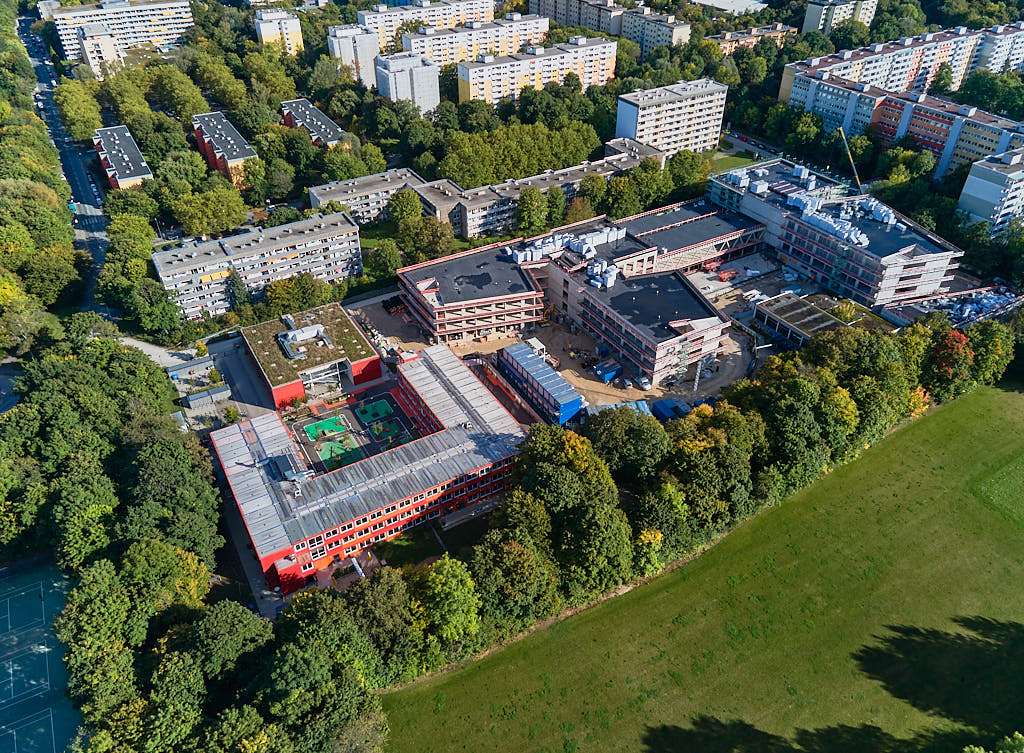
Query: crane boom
pixel 849 156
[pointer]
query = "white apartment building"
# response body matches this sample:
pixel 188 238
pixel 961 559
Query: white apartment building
pixel 491 79
pixel 279 27
pixel 503 36
pixel 408 75
pixel 132 23
pixel 444 14
pixel 825 15
pixel 599 15
pixel 366 197
pixel 356 47
pixel 99 49
pixel 685 115
pixel 994 191
pixel 649 29
pixel 325 246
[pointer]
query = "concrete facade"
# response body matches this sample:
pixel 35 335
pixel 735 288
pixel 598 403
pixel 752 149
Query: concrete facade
pixel 490 79
pixel 503 36
pixel 132 23
pixel 196 275
pixel 443 14
pixel 994 190
pixel 825 15
pixel 281 28
pixel 357 47
pixel 409 76
pixel 685 115
pixel 729 41
pixel 649 29
pixel 599 15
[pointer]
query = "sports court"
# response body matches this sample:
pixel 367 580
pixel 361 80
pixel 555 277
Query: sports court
pixel 333 425
pixel 35 716
pixel 374 411
pixel 339 452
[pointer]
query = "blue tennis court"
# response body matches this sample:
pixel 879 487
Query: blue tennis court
pixel 35 716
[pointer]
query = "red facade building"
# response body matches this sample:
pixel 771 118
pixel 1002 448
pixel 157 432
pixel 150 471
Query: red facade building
pixel 300 522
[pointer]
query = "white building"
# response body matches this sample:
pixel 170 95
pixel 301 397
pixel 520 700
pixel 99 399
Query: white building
pixel 490 78
pixel 503 36
pixel 649 29
pixel 132 23
pixel 324 246
pixel 444 14
pixel 599 15
pixel 356 47
pixel 825 15
pixel 994 191
pixel 685 115
pixel 279 27
pixel 408 75
pixel 99 49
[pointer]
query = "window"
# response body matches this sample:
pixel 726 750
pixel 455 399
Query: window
pixel 333 545
pixel 332 533
pixel 376 514
pixel 361 521
pixel 377 526
pixel 316 541
pixel 300 546
pixel 307 567
pixel 317 553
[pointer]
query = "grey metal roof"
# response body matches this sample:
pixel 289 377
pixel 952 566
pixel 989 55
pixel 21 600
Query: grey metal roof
pixel 121 153
pixel 553 383
pixel 280 512
pixel 317 124
pixel 225 137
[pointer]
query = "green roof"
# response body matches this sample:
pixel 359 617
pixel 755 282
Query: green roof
pixel 346 337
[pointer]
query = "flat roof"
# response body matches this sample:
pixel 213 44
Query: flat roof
pixel 538 53
pixel 341 190
pixel 843 218
pixel 513 19
pixel 673 92
pixel 225 137
pixel 650 302
pixel 753 32
pixel 72 10
pixel 310 117
pixel 686 225
pixel 1008 163
pixel 799 313
pixel 279 512
pixel 461 278
pixel 553 383
pixel 200 254
pixel 345 340
pixel 734 6
pixel 121 153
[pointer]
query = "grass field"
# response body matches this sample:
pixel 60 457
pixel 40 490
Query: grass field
pixel 723 162
pixel 878 611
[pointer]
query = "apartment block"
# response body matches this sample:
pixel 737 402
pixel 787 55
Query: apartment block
pixel 956 134
pixel 132 23
pixel 356 47
pixel 855 246
pixel 302 517
pixel 503 36
pixel 301 113
pixel 994 191
pixel 910 64
pixel 491 210
pixel 222 145
pixel 685 115
pixel 99 49
pixel 729 41
pixel 490 79
pixel 599 15
pixel 410 76
pixel 120 156
pixel 195 275
pixel 443 14
pixel 825 15
pixel 366 197
pixel 281 28
pixel 649 29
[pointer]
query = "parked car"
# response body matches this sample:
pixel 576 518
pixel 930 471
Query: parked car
pixel 643 383
pixel 627 383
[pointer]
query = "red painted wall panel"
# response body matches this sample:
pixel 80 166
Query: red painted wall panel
pixel 284 394
pixel 366 370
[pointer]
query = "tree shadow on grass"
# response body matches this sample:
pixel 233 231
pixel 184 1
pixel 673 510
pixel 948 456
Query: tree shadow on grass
pixel 974 679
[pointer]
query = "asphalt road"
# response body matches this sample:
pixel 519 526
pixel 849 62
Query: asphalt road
pixel 91 230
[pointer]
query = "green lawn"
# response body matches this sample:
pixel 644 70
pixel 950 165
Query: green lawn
pixel 721 163
pixel 878 611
